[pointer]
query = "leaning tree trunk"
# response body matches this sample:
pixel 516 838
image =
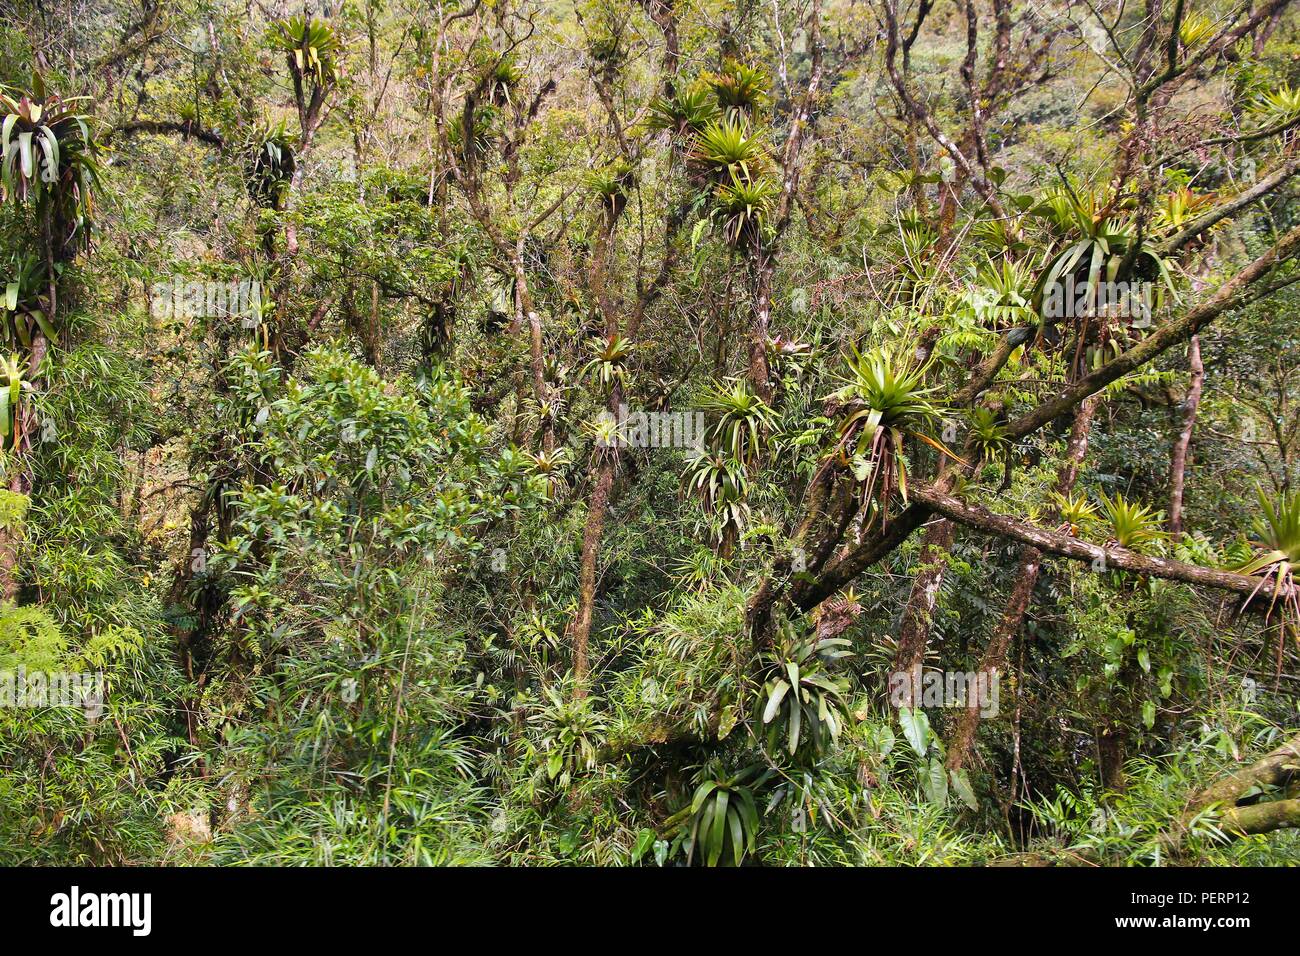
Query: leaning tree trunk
pixel 914 631
pixel 1031 561
pixel 524 310
pixel 1178 460
pixel 587 576
pixel 760 278
pixel 994 659
pixel 1280 768
pixel 595 529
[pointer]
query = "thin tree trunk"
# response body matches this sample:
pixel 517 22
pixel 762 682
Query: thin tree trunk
pixel 761 282
pixel 595 529
pixel 536 345
pixel 587 577
pixel 914 631
pixel 763 259
pixel 995 654
pixel 1178 461
pixel 994 658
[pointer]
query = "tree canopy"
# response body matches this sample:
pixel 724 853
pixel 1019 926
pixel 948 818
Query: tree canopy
pixel 649 432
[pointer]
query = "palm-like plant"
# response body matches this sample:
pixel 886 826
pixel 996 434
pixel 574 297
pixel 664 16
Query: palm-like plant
pixel 548 410
pixel 1195 28
pixel 1003 294
pixel 988 434
pixel 269 168
pixel 743 419
pixel 1277 534
pixel 782 349
pixel 728 150
pixel 1278 106
pixel 47 156
pixel 803 705
pixel 722 815
pixel 1133 525
pixel 743 207
pixel 504 75
pixel 1098 245
pixel 700 570
pixel 550 467
pixel 568 734
pixel 1076 511
pixel 608 364
pixel 1177 208
pixel 715 479
pixel 685 114
pixel 612 184
pixel 25 302
pixel 537 634
pixel 885 400
pixel 720 483
pixel 787 357
pixel 739 88
pixel 607 434
pixel 311 45
pixel 480 138
pixel 731 518
pixel 11 392
pixel 1001 235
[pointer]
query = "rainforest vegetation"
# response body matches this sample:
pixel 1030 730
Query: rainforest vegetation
pixel 650 432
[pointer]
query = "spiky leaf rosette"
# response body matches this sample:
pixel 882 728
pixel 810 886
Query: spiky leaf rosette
pixel 1277 534
pixel 885 401
pixel 47 157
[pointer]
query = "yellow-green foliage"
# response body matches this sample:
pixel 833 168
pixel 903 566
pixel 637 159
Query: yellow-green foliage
pixel 30 638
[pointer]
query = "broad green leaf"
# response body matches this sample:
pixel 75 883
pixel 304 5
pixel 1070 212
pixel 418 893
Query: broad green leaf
pixel 936 783
pixel 916 728
pixel 644 840
pixel 961 786
pixel 661 852
pixel 774 701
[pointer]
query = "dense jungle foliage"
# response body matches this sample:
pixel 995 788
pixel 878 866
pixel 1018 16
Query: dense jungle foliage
pixel 650 432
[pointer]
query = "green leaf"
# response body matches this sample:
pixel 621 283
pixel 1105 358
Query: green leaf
pixel 46 328
pixel 9 122
pixel 696 232
pixel 715 825
pixel 961 786
pixel 50 147
pixel 887 741
pixel 774 700
pixel 644 840
pixel 25 153
pixel 936 783
pixel 749 814
pixel 726 721
pixel 701 794
pixel 916 728
pixel 737 835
